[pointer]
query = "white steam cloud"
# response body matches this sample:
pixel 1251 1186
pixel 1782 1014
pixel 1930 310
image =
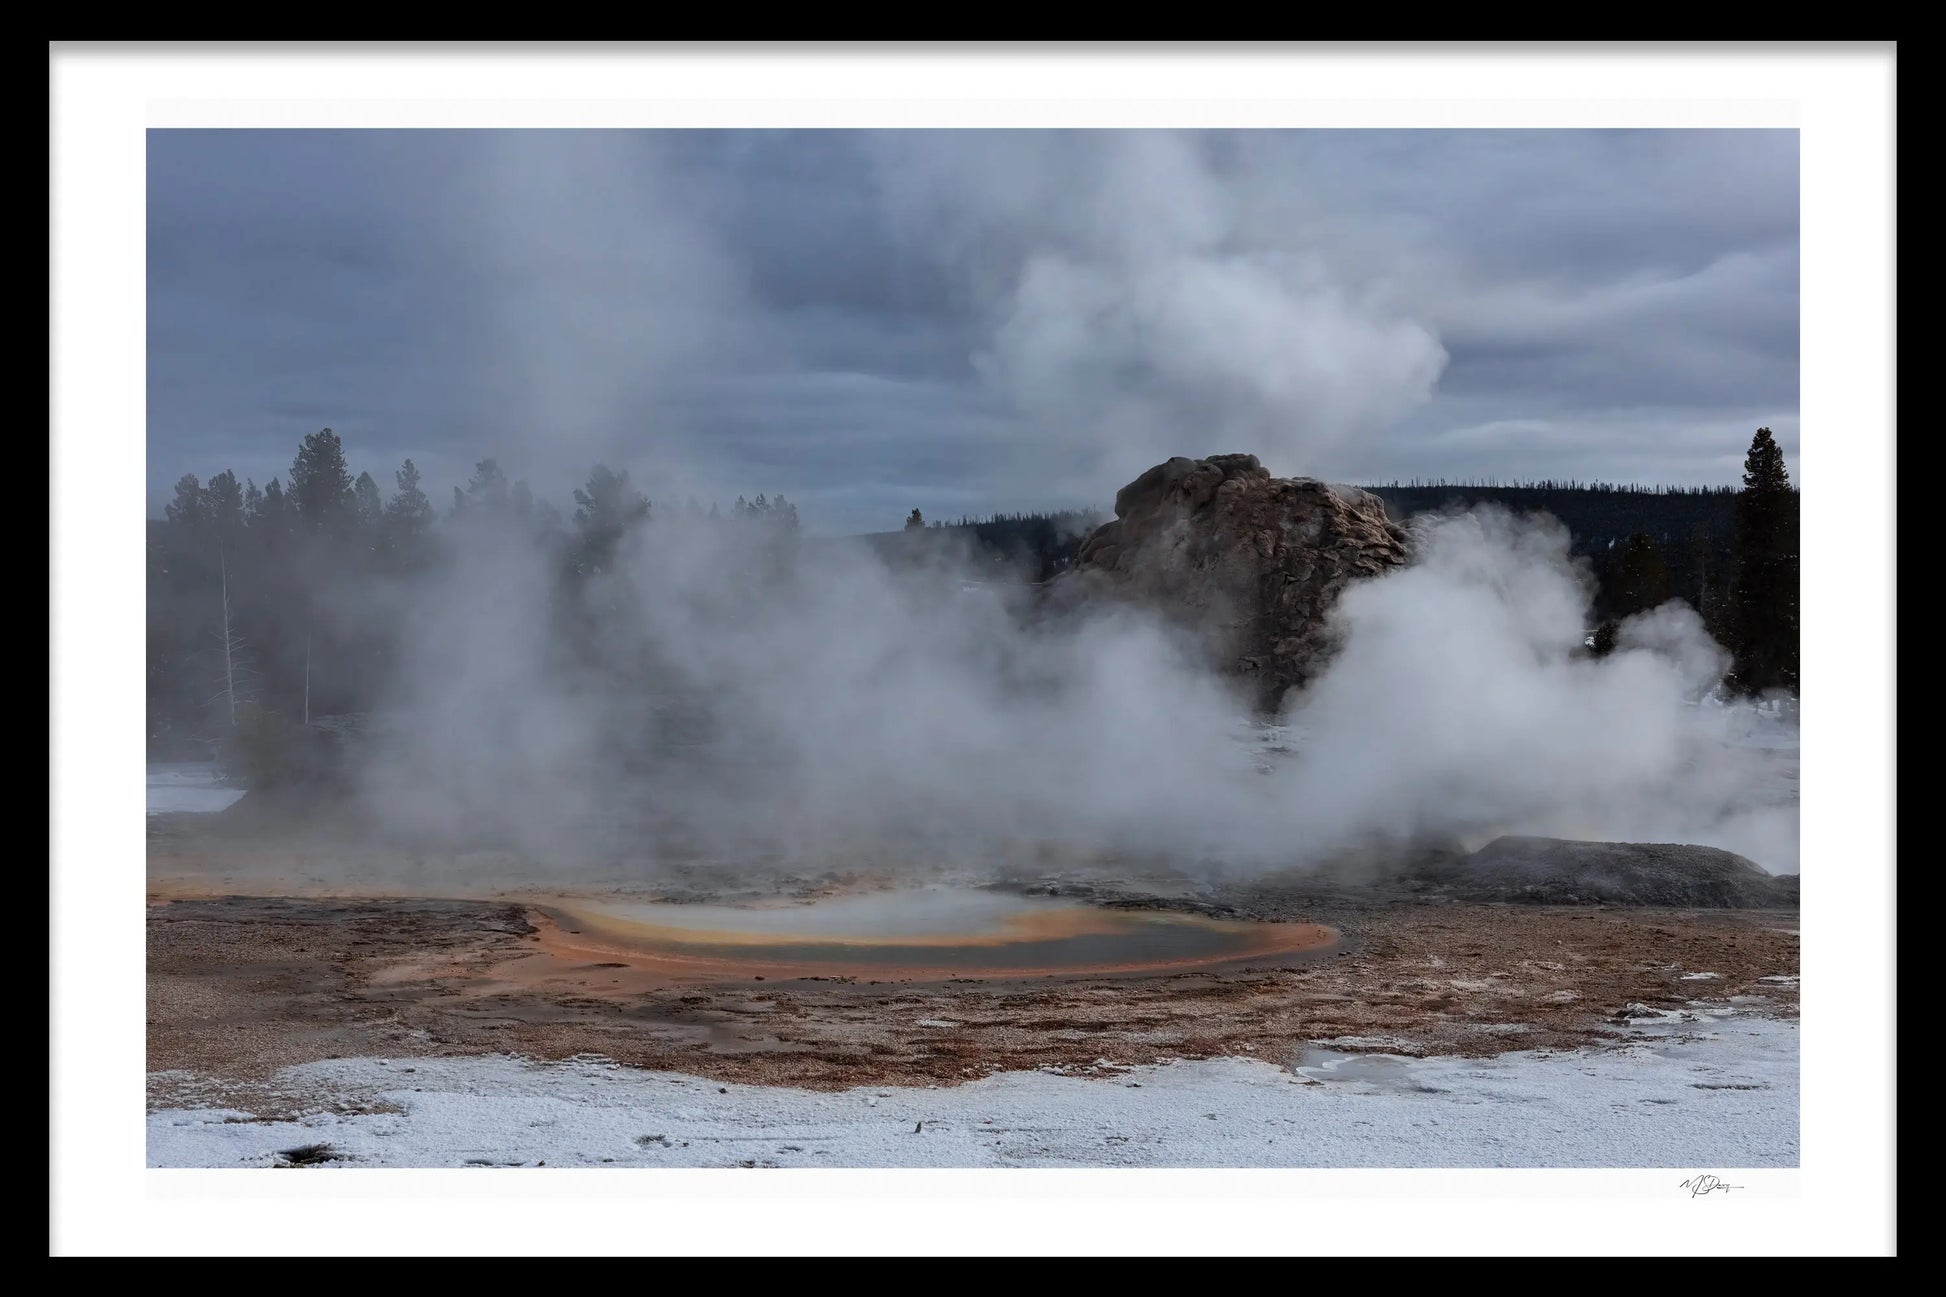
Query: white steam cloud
pixel 737 698
pixel 1462 704
pixel 730 695
pixel 1133 318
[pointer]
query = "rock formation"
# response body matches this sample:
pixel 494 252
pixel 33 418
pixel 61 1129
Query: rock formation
pixel 1554 871
pixel 1251 563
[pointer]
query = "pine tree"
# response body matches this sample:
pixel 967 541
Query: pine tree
pixel 487 491
pixel 915 521
pixel 408 513
pixel 273 512
pixel 604 511
pixel 186 510
pixel 1708 597
pixel 224 506
pixel 325 509
pixel 772 511
pixel 320 491
pixel 365 496
pixel 1642 577
pixel 1764 602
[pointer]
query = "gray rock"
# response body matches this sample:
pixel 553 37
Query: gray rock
pixel 1556 871
pixel 1250 564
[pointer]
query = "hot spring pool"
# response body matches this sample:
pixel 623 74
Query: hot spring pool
pixel 918 934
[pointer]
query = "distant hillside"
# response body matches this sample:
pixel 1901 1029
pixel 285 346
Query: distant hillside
pixel 1596 513
pixel 1006 546
pixel 1694 528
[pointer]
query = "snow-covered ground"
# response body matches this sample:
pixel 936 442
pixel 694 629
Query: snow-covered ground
pixel 1694 1088
pixel 1771 723
pixel 178 786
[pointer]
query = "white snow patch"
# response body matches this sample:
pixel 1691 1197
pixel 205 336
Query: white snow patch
pixel 1724 1095
pixel 176 787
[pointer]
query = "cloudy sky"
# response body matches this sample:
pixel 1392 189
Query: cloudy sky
pixel 970 321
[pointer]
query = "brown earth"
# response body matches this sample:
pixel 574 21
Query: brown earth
pixel 239 987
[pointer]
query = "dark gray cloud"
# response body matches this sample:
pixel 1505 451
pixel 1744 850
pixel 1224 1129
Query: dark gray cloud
pixel 969 321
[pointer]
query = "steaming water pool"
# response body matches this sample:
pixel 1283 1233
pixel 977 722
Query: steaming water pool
pixel 917 933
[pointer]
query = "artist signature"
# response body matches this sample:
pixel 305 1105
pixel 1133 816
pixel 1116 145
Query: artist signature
pixel 1698 1185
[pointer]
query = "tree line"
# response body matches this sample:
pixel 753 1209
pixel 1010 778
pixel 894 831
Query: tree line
pixel 1001 546
pixel 284 603
pixel 1728 552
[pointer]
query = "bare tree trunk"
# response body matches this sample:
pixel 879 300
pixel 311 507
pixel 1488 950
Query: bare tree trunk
pixel 229 654
pixel 307 677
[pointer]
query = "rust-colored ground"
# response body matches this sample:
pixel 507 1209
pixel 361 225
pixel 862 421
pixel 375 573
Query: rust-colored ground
pixel 642 957
pixel 239 987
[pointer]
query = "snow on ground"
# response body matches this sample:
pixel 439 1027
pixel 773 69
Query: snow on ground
pixel 178 786
pixel 1770 724
pixel 1692 1090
